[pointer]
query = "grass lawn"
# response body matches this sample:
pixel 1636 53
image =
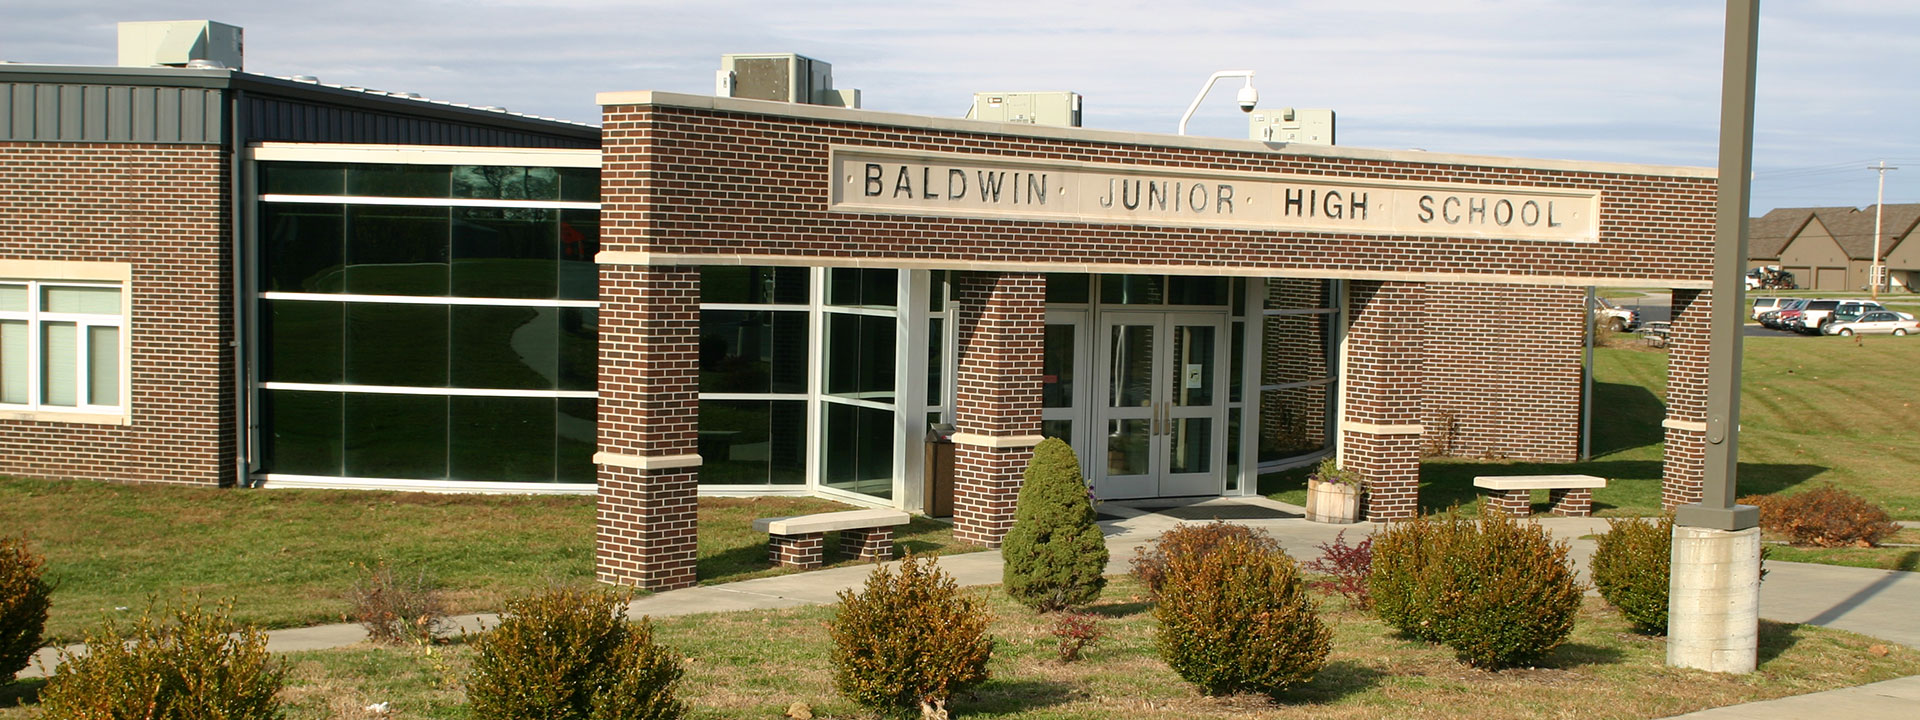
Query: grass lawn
pixel 287 556
pixel 1900 552
pixel 754 664
pixel 1813 411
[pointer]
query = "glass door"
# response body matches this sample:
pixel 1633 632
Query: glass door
pixel 1160 408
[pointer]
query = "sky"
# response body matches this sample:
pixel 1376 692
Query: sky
pixel 1622 81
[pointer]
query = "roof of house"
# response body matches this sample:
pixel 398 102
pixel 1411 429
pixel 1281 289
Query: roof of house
pixel 1852 228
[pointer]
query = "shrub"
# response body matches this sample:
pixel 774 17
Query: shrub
pixel 395 607
pixel 197 664
pixel 908 638
pixel 1826 516
pixel 1150 561
pixel 1499 592
pixel 570 653
pixel 1055 556
pixel 1239 619
pixel 24 599
pixel 1076 632
pixel 1347 568
pixel 1632 568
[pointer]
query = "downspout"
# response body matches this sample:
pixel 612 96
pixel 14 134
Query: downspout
pixel 238 185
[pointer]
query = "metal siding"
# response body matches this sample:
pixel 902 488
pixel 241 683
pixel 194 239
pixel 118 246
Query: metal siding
pixel 46 112
pixel 6 112
pixel 143 114
pixel 94 125
pixel 72 114
pixel 119 114
pixel 166 114
pixel 193 116
pixel 22 112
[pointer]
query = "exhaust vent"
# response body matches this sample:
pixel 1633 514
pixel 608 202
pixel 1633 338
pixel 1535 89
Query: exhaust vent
pixel 181 43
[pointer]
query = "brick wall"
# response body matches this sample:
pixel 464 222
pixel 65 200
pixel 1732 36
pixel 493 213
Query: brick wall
pixel 161 208
pixel 1001 325
pixel 709 181
pixel 1503 369
pixel 1382 382
pixel 649 412
pixel 1685 470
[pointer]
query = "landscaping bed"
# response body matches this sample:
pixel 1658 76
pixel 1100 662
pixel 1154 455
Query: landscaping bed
pixel 756 664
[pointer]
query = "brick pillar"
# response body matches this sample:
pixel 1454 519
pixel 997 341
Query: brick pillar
pixel 1381 377
pixel 1685 471
pixel 649 426
pixel 1001 320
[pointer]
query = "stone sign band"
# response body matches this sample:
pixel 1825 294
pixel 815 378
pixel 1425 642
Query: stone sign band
pixel 879 181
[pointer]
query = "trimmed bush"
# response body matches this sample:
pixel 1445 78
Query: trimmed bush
pixel 1189 541
pixel 197 664
pixel 1499 592
pixel 397 608
pixel 908 638
pixel 1055 556
pixel 1239 619
pixel 1633 567
pixel 1825 516
pixel 24 599
pixel 570 654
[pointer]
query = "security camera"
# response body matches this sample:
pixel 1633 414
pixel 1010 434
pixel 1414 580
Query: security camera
pixel 1249 97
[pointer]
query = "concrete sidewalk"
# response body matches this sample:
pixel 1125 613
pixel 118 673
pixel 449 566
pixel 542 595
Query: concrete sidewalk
pixel 1871 602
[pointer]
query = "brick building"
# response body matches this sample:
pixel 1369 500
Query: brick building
pixel 307 285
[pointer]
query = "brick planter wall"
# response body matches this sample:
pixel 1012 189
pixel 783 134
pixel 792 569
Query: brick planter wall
pixel 161 208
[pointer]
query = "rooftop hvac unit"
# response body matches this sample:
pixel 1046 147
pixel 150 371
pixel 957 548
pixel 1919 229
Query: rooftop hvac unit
pixel 1033 108
pixel 178 43
pixel 784 77
pixel 1289 125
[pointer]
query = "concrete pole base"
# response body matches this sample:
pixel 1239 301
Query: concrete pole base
pixel 1713 606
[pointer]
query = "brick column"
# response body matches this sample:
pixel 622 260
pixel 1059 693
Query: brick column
pixel 1381 377
pixel 649 426
pixel 1001 321
pixel 1685 471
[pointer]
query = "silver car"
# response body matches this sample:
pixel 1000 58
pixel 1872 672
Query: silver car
pixel 1878 322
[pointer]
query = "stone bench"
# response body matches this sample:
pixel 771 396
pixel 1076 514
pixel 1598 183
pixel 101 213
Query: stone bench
pixel 799 541
pixel 1572 495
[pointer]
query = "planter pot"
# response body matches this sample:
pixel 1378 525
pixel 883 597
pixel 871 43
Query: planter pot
pixel 1332 502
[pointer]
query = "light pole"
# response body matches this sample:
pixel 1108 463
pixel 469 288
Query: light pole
pixel 1879 208
pixel 1248 96
pixel 1714 588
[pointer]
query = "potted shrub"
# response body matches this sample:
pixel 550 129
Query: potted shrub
pixel 1333 494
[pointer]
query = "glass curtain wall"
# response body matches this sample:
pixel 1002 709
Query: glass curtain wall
pixel 858 394
pixel 428 322
pixel 755 330
pixel 1300 322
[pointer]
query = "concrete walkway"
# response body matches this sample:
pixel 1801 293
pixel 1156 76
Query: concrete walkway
pixel 1872 602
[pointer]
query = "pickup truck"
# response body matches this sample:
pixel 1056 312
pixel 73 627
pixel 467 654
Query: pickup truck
pixel 1614 317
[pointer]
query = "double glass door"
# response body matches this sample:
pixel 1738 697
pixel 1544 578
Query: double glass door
pixel 1159 411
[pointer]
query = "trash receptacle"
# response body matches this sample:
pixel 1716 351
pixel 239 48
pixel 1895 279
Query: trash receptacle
pixel 939 496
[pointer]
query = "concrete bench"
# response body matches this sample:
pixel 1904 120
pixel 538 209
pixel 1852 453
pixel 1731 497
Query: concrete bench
pixel 799 541
pixel 1572 495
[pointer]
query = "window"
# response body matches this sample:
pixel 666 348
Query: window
pixel 63 346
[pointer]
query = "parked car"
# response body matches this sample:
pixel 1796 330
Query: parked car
pixel 1877 322
pixel 1851 310
pixel 1613 317
pixel 1813 315
pixel 1779 319
pixel 1763 304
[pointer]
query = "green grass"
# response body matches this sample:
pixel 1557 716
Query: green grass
pixel 1813 411
pixel 755 664
pixel 287 556
pixel 1900 552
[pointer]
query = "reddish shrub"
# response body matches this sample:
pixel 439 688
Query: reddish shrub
pixel 1825 516
pixel 1347 568
pixel 1192 541
pixel 1077 632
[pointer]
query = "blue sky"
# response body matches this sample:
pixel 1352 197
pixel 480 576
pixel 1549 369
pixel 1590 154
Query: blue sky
pixel 1626 80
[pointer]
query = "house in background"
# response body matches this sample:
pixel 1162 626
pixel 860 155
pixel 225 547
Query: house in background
pixel 1831 248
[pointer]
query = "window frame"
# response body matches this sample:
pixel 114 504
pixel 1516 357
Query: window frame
pixel 37 277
